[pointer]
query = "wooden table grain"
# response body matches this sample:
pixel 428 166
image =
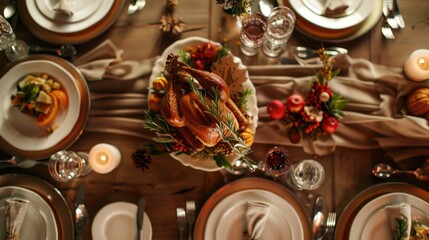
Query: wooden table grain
pixel 167 184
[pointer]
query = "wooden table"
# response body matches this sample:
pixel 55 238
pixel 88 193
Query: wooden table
pixel 167 184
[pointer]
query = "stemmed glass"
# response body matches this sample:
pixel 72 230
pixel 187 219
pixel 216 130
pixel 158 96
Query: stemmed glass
pixel 307 174
pixel 14 49
pixel 66 165
pixel 252 33
pixel 276 162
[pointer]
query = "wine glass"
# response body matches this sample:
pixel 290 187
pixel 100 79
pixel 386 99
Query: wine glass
pixel 14 49
pixel 66 165
pixel 276 162
pixel 307 174
pixel 252 33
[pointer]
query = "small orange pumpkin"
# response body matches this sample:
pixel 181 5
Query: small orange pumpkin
pixel 159 83
pixel 247 136
pixel 154 102
pixel 418 101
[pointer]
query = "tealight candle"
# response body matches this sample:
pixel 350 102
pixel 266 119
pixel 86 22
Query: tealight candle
pixel 417 65
pixel 103 158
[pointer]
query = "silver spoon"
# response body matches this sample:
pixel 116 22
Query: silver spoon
pixel 139 5
pixel 64 51
pixel 383 170
pixel 319 228
pixel 9 10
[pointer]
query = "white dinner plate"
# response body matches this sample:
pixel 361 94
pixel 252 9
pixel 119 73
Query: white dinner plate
pixel 371 221
pixel 68 27
pixel 83 10
pixel 39 221
pixel 354 18
pixel 21 130
pixel 118 221
pixel 228 65
pixel 227 221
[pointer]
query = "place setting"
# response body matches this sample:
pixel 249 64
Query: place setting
pixel 335 21
pixel 68 21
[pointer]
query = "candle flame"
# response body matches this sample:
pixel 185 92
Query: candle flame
pixel 102 158
pixel 423 63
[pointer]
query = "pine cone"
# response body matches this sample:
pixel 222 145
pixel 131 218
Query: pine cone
pixel 171 24
pixel 141 159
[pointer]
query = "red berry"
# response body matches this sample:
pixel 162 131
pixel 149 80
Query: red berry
pixel 209 50
pixel 276 109
pixel 199 64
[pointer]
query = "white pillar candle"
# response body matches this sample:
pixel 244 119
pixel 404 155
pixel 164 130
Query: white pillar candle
pixel 417 65
pixel 103 158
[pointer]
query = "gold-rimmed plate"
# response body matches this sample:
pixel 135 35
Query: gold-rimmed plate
pixel 349 214
pixel 248 189
pixel 341 34
pixel 19 133
pixel 75 37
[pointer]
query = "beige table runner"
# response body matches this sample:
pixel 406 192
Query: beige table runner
pixel 375 115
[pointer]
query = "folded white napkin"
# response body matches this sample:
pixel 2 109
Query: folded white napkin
pixel 333 7
pixel 256 217
pixel 65 7
pixel 399 215
pixel 15 210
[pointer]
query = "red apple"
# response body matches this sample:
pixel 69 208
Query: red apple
pixel 330 124
pixel 276 109
pixel 295 103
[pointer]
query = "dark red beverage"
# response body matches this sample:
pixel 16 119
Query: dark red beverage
pixel 277 161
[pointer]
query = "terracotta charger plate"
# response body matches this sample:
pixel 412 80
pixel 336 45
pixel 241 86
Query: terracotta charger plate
pixel 337 35
pixel 69 37
pixel 20 136
pixel 245 186
pixel 52 196
pixel 347 217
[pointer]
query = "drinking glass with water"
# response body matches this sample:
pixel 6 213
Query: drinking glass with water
pixel 280 25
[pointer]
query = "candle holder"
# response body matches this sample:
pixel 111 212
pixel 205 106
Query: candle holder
pixel 104 158
pixel 66 165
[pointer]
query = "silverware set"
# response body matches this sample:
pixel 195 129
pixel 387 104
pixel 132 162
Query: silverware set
pixel 186 218
pixel 320 229
pixel 393 18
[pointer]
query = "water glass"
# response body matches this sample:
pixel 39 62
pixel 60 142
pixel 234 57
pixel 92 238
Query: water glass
pixel 66 165
pixel 276 161
pixel 252 33
pixel 280 25
pixel 307 174
pixel 14 49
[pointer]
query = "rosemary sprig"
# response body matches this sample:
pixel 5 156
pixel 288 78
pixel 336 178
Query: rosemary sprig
pixel 242 101
pixel 401 229
pixel 156 123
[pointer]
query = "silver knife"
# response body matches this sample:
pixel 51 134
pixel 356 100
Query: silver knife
pixel 140 216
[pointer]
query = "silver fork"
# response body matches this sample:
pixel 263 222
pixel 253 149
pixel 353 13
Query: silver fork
pixel 386 30
pixel 388 13
pixel 181 221
pixel 397 14
pixel 190 216
pixel 330 225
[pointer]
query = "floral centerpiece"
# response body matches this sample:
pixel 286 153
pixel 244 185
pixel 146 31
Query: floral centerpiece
pixel 318 113
pixel 195 112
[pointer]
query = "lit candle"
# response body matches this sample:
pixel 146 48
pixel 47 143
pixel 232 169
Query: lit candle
pixel 417 65
pixel 103 158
